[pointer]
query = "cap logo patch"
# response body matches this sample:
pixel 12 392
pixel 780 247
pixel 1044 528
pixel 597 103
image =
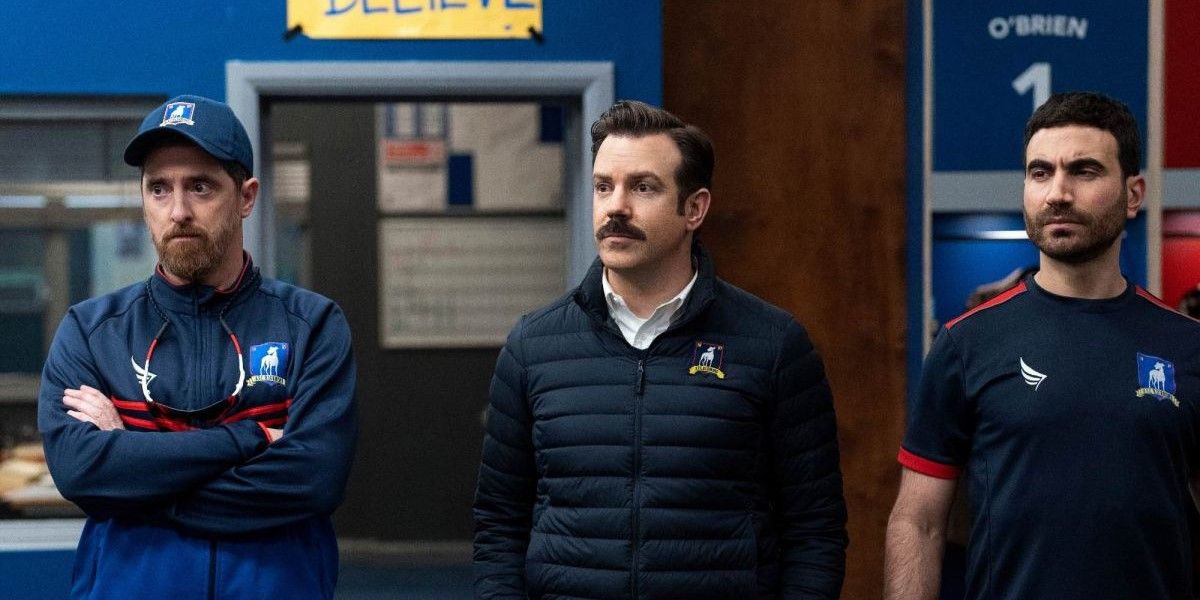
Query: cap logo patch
pixel 708 358
pixel 178 113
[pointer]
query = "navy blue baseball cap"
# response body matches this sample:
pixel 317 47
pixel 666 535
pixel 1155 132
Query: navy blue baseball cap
pixel 202 121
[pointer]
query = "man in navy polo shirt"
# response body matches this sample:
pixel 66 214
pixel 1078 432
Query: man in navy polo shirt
pixel 1070 401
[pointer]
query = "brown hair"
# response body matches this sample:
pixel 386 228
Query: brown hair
pixel 638 119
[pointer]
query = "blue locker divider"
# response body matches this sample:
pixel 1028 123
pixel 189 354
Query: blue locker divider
pixel 972 249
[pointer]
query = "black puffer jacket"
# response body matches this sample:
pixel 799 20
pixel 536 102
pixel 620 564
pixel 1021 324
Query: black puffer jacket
pixel 705 466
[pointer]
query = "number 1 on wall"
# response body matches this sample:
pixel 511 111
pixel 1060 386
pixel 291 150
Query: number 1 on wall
pixel 1037 77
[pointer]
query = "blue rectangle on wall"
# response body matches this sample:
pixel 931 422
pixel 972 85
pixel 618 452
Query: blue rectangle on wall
pixel 551 121
pixel 992 61
pixel 460 187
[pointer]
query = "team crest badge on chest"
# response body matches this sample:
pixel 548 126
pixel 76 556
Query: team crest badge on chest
pixel 1156 378
pixel 707 358
pixel 268 364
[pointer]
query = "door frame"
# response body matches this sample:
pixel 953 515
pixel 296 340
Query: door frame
pixel 590 83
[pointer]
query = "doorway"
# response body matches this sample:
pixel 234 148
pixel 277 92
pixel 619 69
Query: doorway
pixel 328 137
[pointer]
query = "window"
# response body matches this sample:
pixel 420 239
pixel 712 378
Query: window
pixel 71 228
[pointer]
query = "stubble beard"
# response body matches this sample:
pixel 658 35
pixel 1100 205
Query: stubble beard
pixel 1099 233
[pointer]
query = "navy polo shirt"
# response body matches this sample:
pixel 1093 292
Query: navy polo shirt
pixel 1076 424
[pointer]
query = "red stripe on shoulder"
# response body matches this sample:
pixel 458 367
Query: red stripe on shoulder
pixel 1152 298
pixel 928 467
pixel 1001 298
pixel 1155 300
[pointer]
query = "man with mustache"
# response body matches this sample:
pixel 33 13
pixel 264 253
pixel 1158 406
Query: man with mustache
pixel 657 432
pixel 203 419
pixel 1070 401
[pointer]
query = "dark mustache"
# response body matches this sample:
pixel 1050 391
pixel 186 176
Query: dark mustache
pixel 619 227
pixel 183 232
pixel 1063 215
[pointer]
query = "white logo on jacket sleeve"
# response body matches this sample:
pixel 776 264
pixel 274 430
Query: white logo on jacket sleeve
pixel 1032 377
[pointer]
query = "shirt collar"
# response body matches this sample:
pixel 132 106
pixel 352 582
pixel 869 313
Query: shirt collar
pixel 617 303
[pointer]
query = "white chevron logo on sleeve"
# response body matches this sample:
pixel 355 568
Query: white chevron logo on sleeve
pixel 1031 376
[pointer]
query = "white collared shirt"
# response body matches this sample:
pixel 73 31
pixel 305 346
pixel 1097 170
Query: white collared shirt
pixel 639 332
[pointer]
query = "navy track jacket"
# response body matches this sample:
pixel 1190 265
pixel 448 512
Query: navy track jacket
pixel 183 508
pixel 705 466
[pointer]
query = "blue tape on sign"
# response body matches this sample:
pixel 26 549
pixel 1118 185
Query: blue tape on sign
pixel 460 187
pixel 992 62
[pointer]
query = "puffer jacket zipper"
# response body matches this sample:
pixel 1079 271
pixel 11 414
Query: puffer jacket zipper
pixel 635 535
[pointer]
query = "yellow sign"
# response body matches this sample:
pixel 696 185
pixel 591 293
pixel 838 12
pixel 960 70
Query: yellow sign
pixel 415 19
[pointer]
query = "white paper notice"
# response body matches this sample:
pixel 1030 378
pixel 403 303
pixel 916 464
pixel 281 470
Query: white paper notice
pixel 460 282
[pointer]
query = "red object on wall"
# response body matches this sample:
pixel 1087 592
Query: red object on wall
pixel 1180 268
pixel 1180 254
pixel 1182 84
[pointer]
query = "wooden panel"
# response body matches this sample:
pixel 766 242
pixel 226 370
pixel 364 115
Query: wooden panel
pixel 805 104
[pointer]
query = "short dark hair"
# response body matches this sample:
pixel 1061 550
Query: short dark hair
pixel 638 119
pixel 1093 110
pixel 237 172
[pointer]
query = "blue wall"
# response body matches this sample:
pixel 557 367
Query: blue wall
pixel 143 47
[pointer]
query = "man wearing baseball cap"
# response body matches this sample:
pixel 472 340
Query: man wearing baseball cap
pixel 204 419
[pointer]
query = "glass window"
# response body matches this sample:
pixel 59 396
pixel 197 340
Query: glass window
pixel 71 225
pixel 23 295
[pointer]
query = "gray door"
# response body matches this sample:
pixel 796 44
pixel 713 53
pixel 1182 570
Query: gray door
pixel 420 407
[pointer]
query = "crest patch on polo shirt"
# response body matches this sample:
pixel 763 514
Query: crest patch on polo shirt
pixel 1156 377
pixel 708 358
pixel 267 364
